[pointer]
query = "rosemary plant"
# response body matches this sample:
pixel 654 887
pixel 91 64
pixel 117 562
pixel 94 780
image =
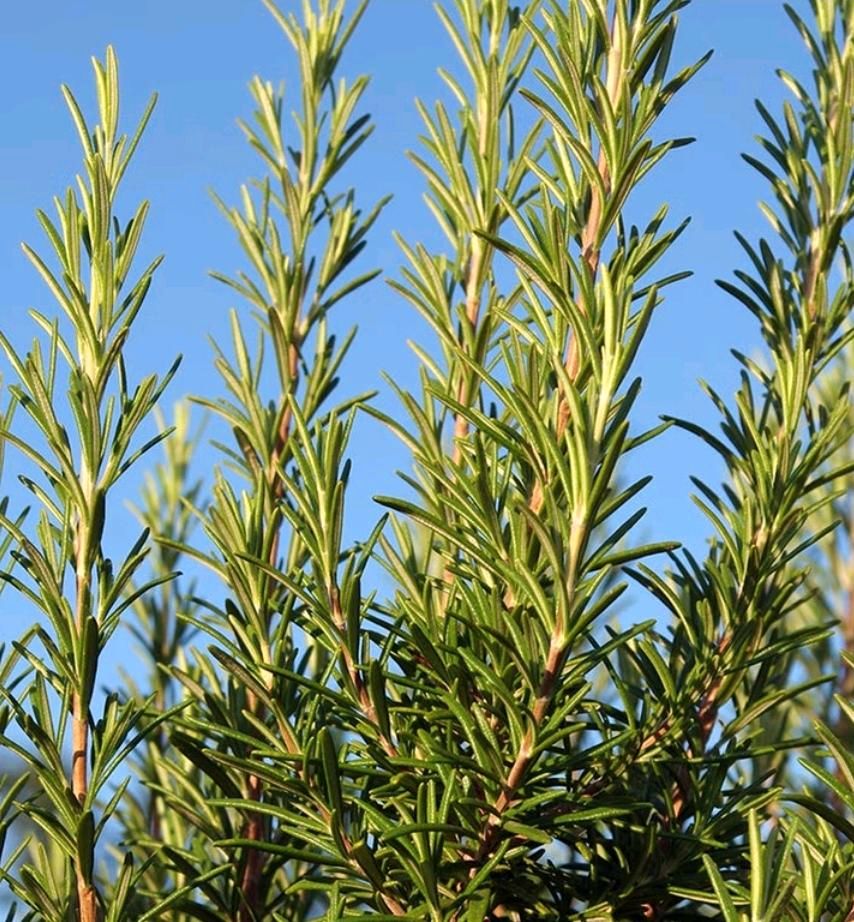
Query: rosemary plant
pixel 73 391
pixel 480 741
pixel 285 636
pixel 512 748
pixel 730 658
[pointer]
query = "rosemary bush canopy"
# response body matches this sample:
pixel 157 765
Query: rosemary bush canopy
pixel 453 716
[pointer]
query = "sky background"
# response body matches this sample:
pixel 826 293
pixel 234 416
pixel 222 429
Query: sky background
pixel 199 56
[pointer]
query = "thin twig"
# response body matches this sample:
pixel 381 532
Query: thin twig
pixel 557 646
pixel 87 898
pixel 255 827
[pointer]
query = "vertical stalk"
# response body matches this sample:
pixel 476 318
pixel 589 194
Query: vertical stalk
pixel 86 895
pixel 94 253
pixel 301 235
pixel 255 828
pixel 516 515
pixel 591 239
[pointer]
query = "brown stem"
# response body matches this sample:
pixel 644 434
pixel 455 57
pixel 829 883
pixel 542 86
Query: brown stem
pixel 524 756
pixel 87 901
pixel 255 829
pixel 79 750
pixel 87 898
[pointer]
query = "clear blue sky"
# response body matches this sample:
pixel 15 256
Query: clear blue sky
pixel 200 54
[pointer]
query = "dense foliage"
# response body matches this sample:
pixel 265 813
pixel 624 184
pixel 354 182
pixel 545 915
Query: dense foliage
pixel 493 737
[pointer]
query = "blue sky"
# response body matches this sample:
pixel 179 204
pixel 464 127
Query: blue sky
pixel 200 54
